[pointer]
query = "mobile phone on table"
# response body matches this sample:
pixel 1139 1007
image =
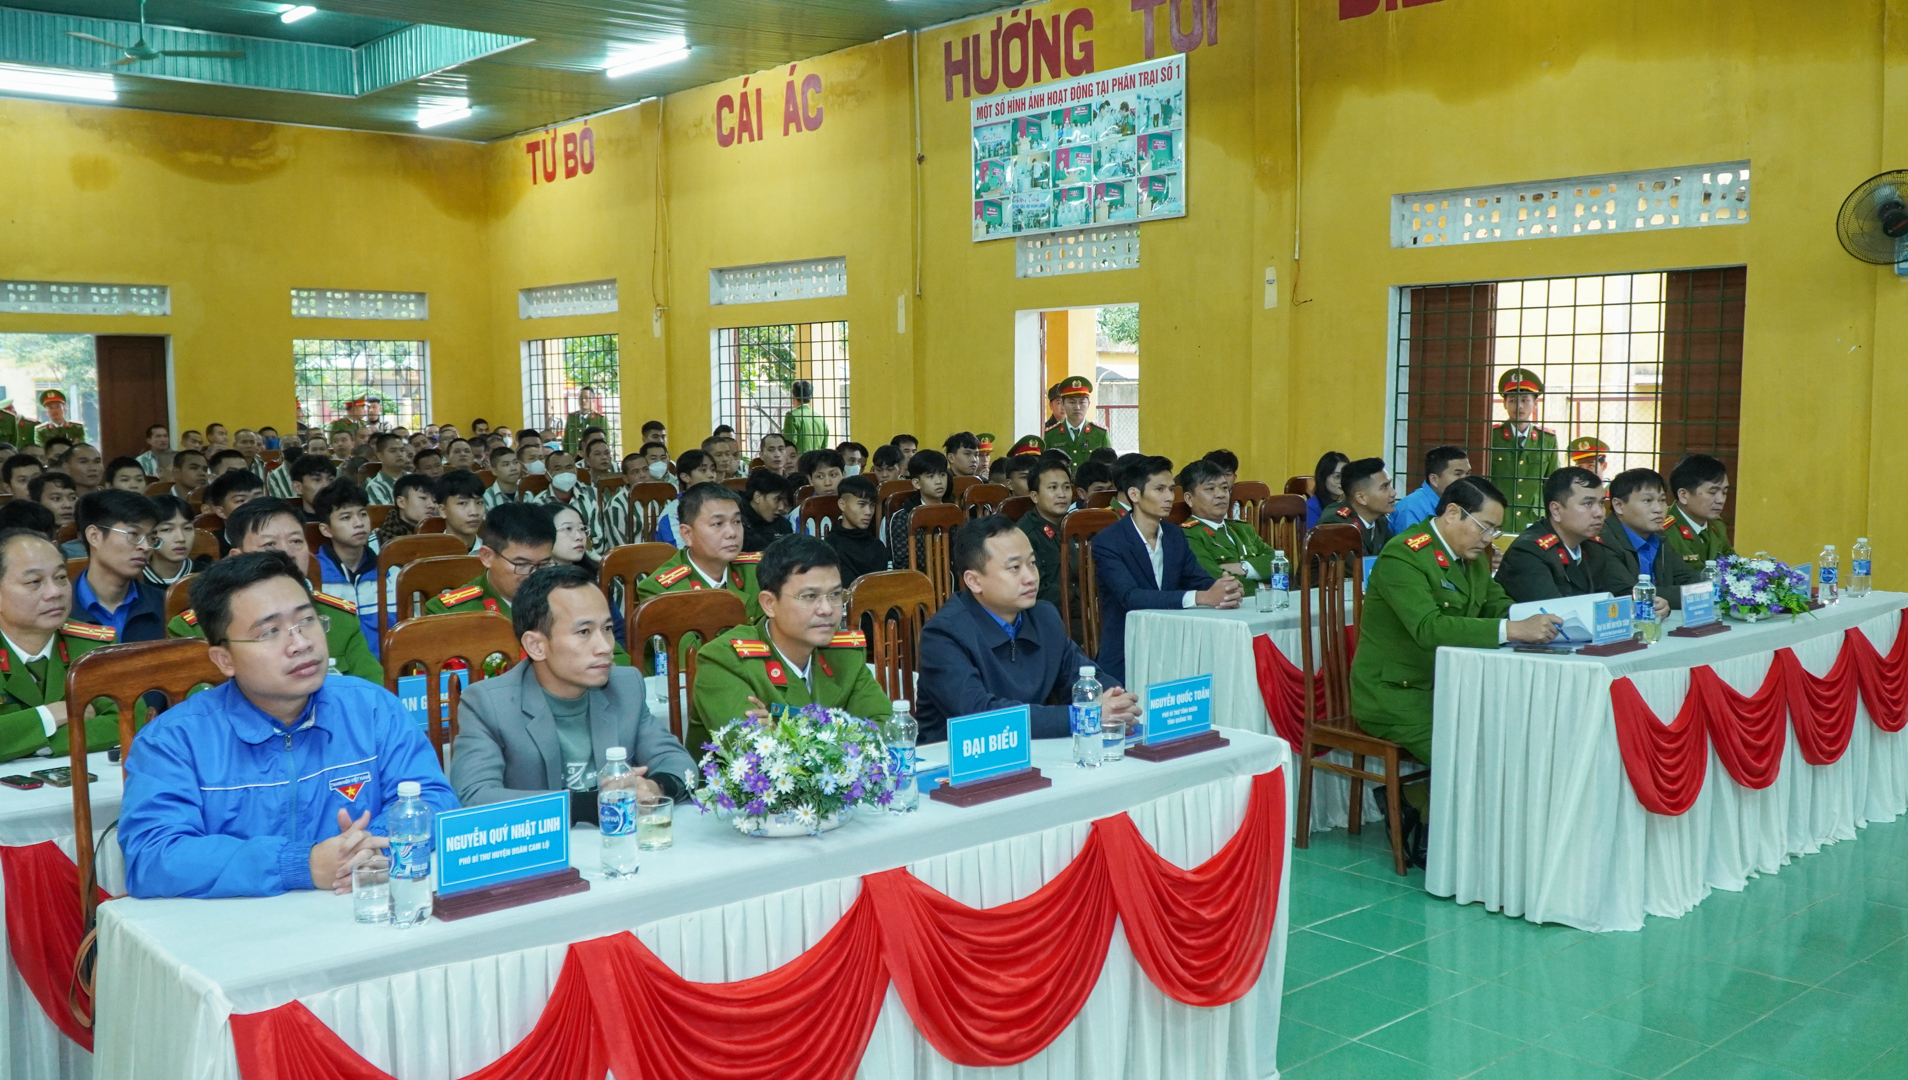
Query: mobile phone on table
pixel 24 783
pixel 62 776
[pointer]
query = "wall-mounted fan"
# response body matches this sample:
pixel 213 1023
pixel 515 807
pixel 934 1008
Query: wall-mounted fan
pixel 139 51
pixel 1873 222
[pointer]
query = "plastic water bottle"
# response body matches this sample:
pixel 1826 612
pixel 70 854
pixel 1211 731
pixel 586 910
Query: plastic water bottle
pixel 410 823
pixel 1828 568
pixel 1281 582
pixel 616 816
pixel 1713 574
pixel 1643 610
pixel 1084 718
pixel 1862 568
pixel 900 733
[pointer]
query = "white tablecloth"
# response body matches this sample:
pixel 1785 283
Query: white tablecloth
pixel 1532 813
pixel 1165 645
pixel 444 999
pixel 30 1046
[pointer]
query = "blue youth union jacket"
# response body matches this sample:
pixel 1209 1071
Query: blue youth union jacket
pixel 223 800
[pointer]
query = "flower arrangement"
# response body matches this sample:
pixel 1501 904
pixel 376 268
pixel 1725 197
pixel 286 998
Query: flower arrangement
pixel 805 768
pixel 1757 588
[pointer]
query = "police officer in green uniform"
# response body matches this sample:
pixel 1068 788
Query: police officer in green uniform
pixel 795 654
pixel 57 426
pixel 1564 555
pixel 803 429
pixel 1223 545
pixel 1589 452
pixel 353 420
pixel 35 600
pixel 1699 485
pixel 587 416
pixel 518 539
pixel 1028 444
pixel 1054 419
pixel 9 420
pixel 1431 587
pixel 1370 497
pixel 1075 435
pixel 709 523
pixel 1522 454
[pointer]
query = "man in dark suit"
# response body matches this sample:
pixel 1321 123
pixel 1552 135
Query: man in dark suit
pixel 1141 564
pixel 1633 532
pixel 544 725
pixel 995 644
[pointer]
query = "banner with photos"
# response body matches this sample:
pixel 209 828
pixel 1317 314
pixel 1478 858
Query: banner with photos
pixel 1103 148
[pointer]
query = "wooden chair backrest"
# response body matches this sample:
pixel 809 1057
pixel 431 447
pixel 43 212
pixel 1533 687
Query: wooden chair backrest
pixel 159 488
pixel 403 550
pixel 931 538
pixel 1300 485
pixel 705 614
pixel 178 597
pixel 532 485
pixel 1099 500
pixel 431 527
pixel 892 502
pixel 804 493
pixel 210 522
pixel 122 674
pixel 607 489
pixel 736 483
pixel 980 500
pixel 314 539
pixel 196 497
pixel 1079 589
pixel 958 485
pixel 67 532
pixel 464 640
pixel 1016 506
pixel 629 564
pixel 890 607
pixel 272 455
pixel 1333 563
pixel 205 545
pixel 1181 511
pixel 378 514
pixel 418 581
pixel 756 463
pixel 647 501
pixel 1282 524
pixel 487 477
pixel 891 487
pixel 819 515
pixel 1248 497
pixel 76 567
pixel 370 469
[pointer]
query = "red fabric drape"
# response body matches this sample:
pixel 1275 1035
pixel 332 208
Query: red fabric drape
pixel 1883 679
pixel 1282 686
pixel 1749 731
pixel 44 929
pixel 1822 710
pixel 986 986
pixel 1666 762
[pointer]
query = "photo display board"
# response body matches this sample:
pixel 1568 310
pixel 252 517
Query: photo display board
pixel 1103 148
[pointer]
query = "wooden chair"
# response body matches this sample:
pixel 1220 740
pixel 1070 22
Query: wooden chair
pixel 532 485
pixel 736 483
pixel 205 545
pixel 980 500
pixel 421 579
pixel 1282 524
pixel 487 477
pixel 178 597
pixel 69 532
pixel 122 674
pixel 890 607
pixel 819 515
pixel 272 455
pixel 756 463
pixel 462 641
pixel 1178 515
pixel 368 470
pixel 1300 485
pixel 212 523
pixel 892 502
pixel 930 538
pixel 1016 506
pixel 159 488
pixel 1248 497
pixel 1334 563
pixel 646 504
pixel 314 539
pixel 958 485
pixel 403 551
pixel 430 527
pixel 1100 500
pixel 606 489
pixel 378 514
pixel 1079 587
pixel 894 487
pixel 804 493
pixel 705 614
pixel 76 567
pixel 196 497
pixel 628 564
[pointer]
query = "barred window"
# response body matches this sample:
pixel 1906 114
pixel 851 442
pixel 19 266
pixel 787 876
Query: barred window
pixel 329 372
pixel 1649 364
pixel 753 368
pixel 555 371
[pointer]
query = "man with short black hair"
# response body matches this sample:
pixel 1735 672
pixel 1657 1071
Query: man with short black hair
pixel 1050 485
pixel 778 454
pixel 1695 530
pixel 429 461
pixel 225 461
pixel 694 468
pixel 231 491
pixel 17 472
pixel 118 530
pixel 795 653
pixel 1141 563
pixel 208 811
pixel 1442 465
pixel 310 474
pixel 126 474
pixel 1369 500
pixel 995 645
pixel 907 445
pixel 887 463
pixel 517 541
pixel 1222 544
pixel 1633 533
pixel 765 516
pixel 655 431
pixel 157 457
pixel 568 489
pixel 710 517
pixel 854 458
pixel 857 537
pixel 87 467
pixel 40 644
pixel 459 455
pixel 505 472
pixel 413 505
pixel 55 491
pixel 394 459
pixel 460 499
pixel 347 567
pixel 963 454
pixel 1563 555
pixel 802 427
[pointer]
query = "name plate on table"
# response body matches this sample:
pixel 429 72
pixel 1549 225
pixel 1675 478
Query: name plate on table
pixel 1612 630
pixel 1370 561
pixel 1699 612
pixel 1178 720
pixel 504 854
pixel 989 756
pixel 415 696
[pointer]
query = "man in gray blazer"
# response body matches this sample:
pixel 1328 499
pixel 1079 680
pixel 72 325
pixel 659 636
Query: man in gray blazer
pixel 544 725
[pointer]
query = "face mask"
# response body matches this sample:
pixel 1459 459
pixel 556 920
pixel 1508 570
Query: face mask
pixel 535 468
pixel 563 481
pixel 658 469
pixel 851 470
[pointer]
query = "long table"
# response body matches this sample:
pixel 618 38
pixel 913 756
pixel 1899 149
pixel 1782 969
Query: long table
pixel 444 999
pixel 1533 814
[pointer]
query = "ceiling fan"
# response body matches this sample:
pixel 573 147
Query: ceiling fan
pixel 139 51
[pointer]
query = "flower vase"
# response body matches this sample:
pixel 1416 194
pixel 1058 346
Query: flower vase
pixel 1749 615
pixel 783 826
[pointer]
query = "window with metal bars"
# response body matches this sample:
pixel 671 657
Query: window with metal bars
pixel 555 371
pixel 1647 364
pixel 329 372
pixel 753 369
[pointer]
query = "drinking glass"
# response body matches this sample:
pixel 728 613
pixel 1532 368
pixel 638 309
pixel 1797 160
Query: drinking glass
pixel 655 815
pixel 371 891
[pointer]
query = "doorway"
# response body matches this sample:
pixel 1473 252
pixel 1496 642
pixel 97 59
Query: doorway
pixel 133 394
pixel 1099 343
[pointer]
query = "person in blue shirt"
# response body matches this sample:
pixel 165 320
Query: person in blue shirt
pixel 347 565
pixel 280 777
pixel 120 530
pixel 1442 464
pixel 1633 531
pixel 1327 486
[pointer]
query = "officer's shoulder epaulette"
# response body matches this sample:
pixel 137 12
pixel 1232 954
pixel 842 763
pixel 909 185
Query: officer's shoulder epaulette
pixel 1598 538
pixel 674 574
pixel 1344 511
pixel 338 602
pixel 454 597
pixel 1545 430
pixel 1547 541
pixel 1189 525
pixel 89 631
pixel 1418 541
pixel 190 616
pixel 748 649
pixel 749 557
pixel 848 639
pixel 1668 520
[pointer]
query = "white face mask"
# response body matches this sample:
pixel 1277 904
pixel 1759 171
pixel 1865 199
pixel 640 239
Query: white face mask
pixel 851 470
pixel 535 468
pixel 658 469
pixel 563 481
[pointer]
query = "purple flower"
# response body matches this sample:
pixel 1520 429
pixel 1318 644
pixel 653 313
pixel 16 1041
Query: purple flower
pixel 756 808
pixel 722 799
pixel 710 746
pixel 856 791
pixel 711 770
pixel 884 798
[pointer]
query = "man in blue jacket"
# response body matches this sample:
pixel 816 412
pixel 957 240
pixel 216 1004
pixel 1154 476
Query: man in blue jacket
pixel 995 644
pixel 1140 564
pixel 279 778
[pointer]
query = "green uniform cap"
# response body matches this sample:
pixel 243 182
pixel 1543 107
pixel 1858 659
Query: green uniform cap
pixel 1028 444
pixel 1075 384
pixel 1585 448
pixel 1519 379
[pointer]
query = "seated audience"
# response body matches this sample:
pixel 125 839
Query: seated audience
pixel 963 454
pixel 928 470
pixel 172 560
pixel 1695 531
pixel 429 461
pixel 568 489
pixel 1326 486
pixel 857 538
pixel 1633 532
pixel 157 457
pixel 87 468
pixel 567 682
pixel 55 491
pixel 710 517
pixel 505 471
pixel 1050 485
pixel 118 529
pixel 854 458
pixel 518 540
pixel 412 504
pixel 40 645
pixel 906 445
pixel 189 473
pixel 1228 463
pixel 887 463
pixel 1442 464
pixel 224 461
pixel 1563 555
pixel 393 456
pixel 28 515
pixel 347 567
pixel 126 474
pixel 1141 562
pixel 206 811
pixel 460 500
pixel 310 474
pixel 1223 545
pixel 1094 478
pixel 777 453
pixel 694 467
pixel 1369 500
pixel 995 645
pixel 17 472
pixel 765 516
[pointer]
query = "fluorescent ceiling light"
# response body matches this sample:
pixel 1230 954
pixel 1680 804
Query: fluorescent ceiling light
pixel 433 112
pixel 655 54
pixel 296 12
pixel 53 82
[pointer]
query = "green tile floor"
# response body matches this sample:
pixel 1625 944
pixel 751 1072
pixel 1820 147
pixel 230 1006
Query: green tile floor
pixel 1802 974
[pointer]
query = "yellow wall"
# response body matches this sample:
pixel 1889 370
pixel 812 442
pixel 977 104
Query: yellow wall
pixel 1426 97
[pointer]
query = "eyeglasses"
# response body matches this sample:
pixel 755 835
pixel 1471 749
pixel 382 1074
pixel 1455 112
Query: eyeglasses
pixel 142 541
pixel 524 568
pixel 811 599
pixel 311 628
pixel 1489 532
pixel 574 528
